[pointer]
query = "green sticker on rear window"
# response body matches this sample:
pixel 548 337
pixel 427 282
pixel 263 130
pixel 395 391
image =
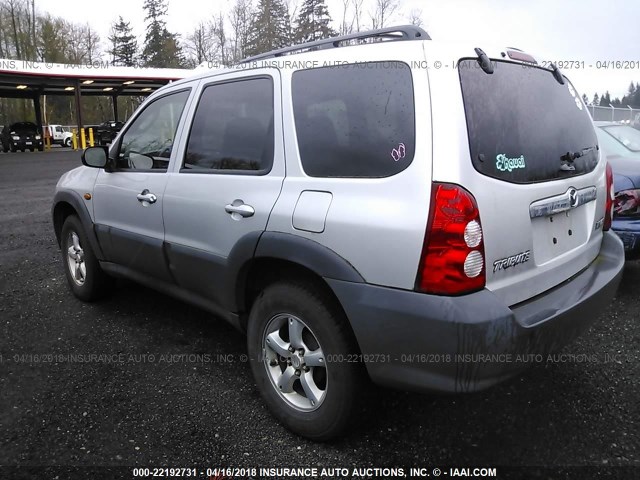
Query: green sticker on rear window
pixel 506 164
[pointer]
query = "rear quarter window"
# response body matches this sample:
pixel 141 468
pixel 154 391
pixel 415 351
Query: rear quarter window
pixel 522 123
pixel 355 120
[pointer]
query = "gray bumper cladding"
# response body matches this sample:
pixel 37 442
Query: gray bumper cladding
pixel 462 344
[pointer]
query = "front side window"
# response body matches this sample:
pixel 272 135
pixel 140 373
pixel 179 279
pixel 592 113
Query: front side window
pixel 355 120
pixel 232 128
pixel 148 142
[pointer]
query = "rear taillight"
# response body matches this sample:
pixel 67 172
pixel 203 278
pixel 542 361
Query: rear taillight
pixel 608 214
pixel 452 260
pixel 627 203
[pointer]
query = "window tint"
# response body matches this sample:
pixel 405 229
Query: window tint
pixel 355 120
pixel 522 124
pixel 233 128
pixel 147 143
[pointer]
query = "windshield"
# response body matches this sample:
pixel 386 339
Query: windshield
pixel 523 125
pixel 626 135
pixel 23 127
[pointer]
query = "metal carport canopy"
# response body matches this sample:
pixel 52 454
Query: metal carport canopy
pixel 30 80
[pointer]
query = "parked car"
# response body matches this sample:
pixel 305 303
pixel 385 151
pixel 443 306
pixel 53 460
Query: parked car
pixel 59 135
pixel 21 136
pixel 626 216
pixel 106 132
pixel 358 216
pixel 618 139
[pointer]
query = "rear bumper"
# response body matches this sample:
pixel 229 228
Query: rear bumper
pixel 629 233
pixel 461 344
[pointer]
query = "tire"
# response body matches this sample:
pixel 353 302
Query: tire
pixel 324 333
pixel 86 279
pixel 67 143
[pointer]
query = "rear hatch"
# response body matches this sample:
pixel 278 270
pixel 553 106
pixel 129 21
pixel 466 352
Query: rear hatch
pixel 529 155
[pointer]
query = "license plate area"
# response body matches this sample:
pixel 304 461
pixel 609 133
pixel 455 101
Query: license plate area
pixel 557 234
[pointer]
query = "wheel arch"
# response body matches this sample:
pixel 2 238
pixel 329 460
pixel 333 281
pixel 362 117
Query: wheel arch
pixel 282 256
pixel 68 202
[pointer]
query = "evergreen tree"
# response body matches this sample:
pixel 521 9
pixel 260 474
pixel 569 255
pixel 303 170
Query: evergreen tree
pixel 270 29
pixel 605 100
pixel 585 99
pixel 313 22
pixel 161 47
pixel 124 45
pixel 596 100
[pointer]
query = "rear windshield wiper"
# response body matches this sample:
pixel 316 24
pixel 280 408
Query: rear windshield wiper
pixel 566 160
pixel 570 157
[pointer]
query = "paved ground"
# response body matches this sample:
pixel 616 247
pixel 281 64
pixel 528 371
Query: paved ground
pixel 205 411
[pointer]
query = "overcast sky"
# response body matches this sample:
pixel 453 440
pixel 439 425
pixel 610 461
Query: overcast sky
pixel 585 30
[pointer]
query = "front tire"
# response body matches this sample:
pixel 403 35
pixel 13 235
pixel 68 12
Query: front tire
pixel 86 278
pixel 294 333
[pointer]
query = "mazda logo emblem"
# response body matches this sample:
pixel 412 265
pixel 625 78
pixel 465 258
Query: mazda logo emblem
pixel 573 197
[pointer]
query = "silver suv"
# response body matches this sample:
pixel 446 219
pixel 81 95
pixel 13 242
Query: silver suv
pixel 358 213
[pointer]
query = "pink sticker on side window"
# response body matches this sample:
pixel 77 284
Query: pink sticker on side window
pixel 399 153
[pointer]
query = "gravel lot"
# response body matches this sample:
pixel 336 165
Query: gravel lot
pixel 207 413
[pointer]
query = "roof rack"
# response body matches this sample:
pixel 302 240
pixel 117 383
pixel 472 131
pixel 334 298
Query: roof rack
pixel 400 33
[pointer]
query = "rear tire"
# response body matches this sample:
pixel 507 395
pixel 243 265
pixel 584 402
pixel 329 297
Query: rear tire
pixel 67 143
pixel 86 278
pixel 305 390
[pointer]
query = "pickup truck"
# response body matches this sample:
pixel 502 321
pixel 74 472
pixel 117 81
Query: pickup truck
pixel 106 132
pixel 59 135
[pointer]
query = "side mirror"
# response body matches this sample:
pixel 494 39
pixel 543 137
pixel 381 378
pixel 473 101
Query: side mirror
pixel 96 157
pixel 140 161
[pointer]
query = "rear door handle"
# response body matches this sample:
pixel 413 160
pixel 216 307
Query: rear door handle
pixel 146 197
pixel 238 209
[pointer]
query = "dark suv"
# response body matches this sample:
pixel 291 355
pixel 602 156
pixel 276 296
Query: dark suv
pixel 21 136
pixel 107 131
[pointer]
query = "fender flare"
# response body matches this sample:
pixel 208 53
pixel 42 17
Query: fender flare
pixel 283 246
pixel 75 200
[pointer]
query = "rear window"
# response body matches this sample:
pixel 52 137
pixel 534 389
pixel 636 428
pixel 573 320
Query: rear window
pixel 627 136
pixel 524 126
pixel 355 120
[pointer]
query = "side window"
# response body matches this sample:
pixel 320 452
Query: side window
pixel 355 120
pixel 148 141
pixel 59 129
pixel 233 128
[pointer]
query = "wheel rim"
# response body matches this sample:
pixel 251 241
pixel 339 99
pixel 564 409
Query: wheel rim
pixel 75 259
pixel 295 362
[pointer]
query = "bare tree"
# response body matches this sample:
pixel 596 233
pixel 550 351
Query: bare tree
pixel 240 18
pixel 384 10
pixel 415 17
pixel 346 26
pixel 220 40
pixel 357 13
pixel 199 44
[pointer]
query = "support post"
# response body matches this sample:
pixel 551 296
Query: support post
pixel 78 98
pixel 114 99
